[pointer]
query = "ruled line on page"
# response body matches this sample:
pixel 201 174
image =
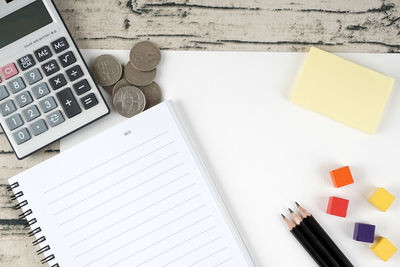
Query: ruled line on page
pixel 104 202
pixel 137 212
pixel 95 167
pixel 223 262
pixel 124 179
pixel 125 205
pixel 142 236
pixel 176 246
pixel 118 182
pixel 208 256
pixel 115 170
pixel 191 251
pixel 157 242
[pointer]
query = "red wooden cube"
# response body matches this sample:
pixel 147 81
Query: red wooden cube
pixel 337 206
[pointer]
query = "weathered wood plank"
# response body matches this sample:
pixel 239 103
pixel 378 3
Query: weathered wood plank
pixel 349 26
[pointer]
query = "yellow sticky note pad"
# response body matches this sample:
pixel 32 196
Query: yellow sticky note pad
pixel 342 90
pixel 384 249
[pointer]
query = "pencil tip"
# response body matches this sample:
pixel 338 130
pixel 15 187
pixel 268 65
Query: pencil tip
pixel 283 216
pixel 297 204
pixel 291 211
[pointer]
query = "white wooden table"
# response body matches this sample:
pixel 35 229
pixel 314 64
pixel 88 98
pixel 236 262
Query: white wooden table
pixel 337 26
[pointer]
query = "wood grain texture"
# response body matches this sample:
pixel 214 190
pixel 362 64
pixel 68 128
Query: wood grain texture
pixel 295 25
pixel 251 25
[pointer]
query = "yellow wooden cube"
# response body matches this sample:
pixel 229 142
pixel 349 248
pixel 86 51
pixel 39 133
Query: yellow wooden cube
pixel 381 199
pixel 384 249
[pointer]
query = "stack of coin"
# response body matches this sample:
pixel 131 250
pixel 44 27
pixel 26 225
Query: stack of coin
pixel 132 87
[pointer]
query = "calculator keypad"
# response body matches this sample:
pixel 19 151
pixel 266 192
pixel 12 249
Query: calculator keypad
pixel 14 122
pixel 21 136
pixel 9 71
pixel 23 99
pixel 7 108
pixel 26 103
pixel 47 104
pixel 50 67
pixel 58 81
pixel 38 127
pixel 31 113
pixel 16 85
pixel 43 53
pixel 68 102
pixel 55 118
pixel 81 87
pixel 26 62
pixel 67 59
pixel 3 92
pixel 60 45
pixel 40 90
pixel 74 73
pixel 33 76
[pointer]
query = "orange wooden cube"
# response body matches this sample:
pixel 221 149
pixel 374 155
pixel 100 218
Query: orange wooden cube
pixel 341 177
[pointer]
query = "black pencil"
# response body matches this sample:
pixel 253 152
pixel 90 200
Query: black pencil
pixel 304 242
pixel 319 247
pixel 323 237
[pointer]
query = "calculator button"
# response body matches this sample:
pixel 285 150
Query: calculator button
pixel 16 85
pixel 89 101
pixel 38 127
pixel 43 53
pixel 68 102
pixel 81 87
pixel 33 76
pixel 48 104
pixel 7 107
pixel 60 45
pixel 23 99
pixel 74 73
pixel 3 92
pixel 55 118
pixel 31 113
pixel 58 81
pixel 40 90
pixel 50 67
pixel 9 71
pixel 67 59
pixel 14 122
pixel 26 62
pixel 21 136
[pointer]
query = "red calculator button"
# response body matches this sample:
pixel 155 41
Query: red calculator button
pixel 9 71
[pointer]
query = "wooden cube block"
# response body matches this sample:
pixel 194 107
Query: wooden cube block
pixel 341 177
pixel 381 199
pixel 383 248
pixel 337 206
pixel 364 232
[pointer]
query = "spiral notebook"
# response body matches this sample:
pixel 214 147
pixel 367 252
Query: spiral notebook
pixel 134 195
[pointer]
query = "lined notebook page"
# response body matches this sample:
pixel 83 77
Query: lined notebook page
pixel 135 195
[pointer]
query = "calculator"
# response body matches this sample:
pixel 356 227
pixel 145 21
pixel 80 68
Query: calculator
pixel 46 90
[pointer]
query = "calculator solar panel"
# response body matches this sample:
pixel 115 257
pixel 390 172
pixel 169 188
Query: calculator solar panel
pixel 46 90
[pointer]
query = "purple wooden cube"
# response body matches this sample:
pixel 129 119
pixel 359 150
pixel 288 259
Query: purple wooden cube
pixel 364 232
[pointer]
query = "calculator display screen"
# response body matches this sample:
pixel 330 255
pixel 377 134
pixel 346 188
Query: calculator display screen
pixel 23 22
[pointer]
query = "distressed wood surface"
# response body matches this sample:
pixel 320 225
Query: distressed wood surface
pixel 251 25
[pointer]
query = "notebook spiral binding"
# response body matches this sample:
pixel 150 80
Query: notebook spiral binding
pixel 31 223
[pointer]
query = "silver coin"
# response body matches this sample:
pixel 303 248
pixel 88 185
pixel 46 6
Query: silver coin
pixel 145 56
pixel 129 101
pixel 137 77
pixel 106 70
pixel 152 93
pixel 121 83
pixel 109 89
